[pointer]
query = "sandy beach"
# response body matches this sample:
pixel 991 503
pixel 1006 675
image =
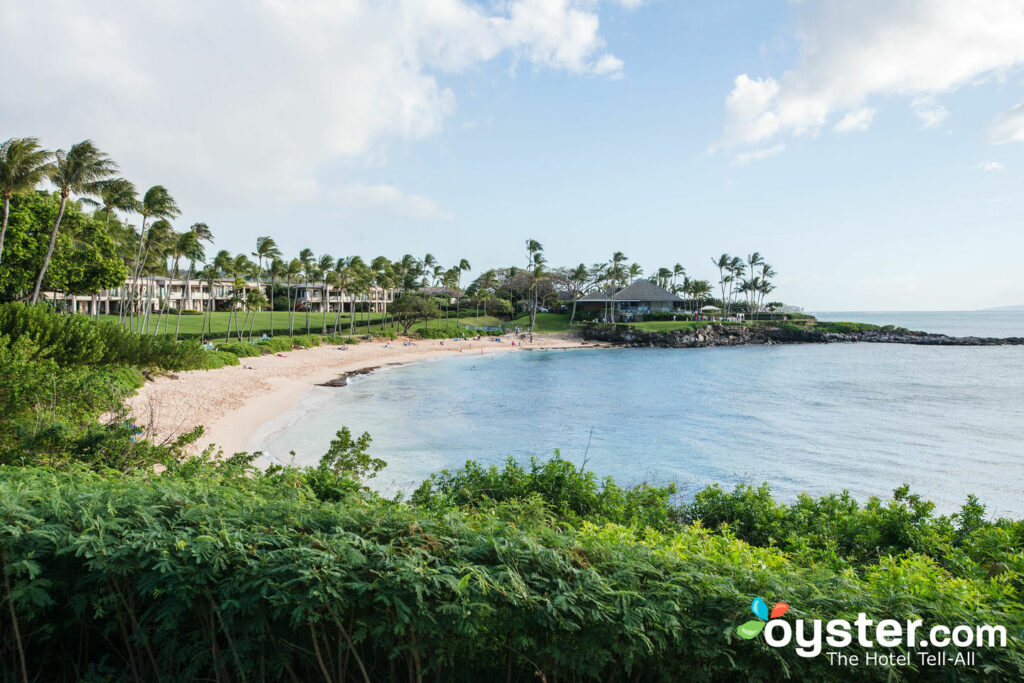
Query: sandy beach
pixel 233 402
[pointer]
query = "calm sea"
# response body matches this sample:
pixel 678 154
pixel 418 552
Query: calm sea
pixel 808 418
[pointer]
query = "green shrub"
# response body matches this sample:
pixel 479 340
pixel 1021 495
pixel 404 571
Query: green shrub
pixel 843 327
pixel 572 494
pixel 243 349
pixel 220 359
pixel 220 572
pixel 78 340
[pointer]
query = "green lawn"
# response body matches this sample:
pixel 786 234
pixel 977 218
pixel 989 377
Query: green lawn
pixel 547 323
pixel 191 324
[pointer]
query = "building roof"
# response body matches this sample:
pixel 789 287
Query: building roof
pixel 641 290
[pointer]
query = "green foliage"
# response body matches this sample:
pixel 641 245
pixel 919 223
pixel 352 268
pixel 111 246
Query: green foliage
pixel 220 359
pixel 571 493
pixel 216 571
pixel 77 340
pixel 843 327
pixel 85 257
pixel 49 413
pixel 410 309
pixel 345 464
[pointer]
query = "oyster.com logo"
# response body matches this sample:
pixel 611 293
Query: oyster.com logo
pixel 751 628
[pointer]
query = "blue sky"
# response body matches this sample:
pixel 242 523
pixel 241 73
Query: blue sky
pixel 871 151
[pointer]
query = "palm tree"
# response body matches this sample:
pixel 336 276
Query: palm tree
pixel 736 270
pixel 266 247
pixel 325 266
pixel 577 279
pixel 292 272
pixel 117 195
pixel 677 270
pixel 209 274
pixel 463 267
pixel 191 248
pixel 700 289
pixel 278 270
pixel 157 203
pixel 80 170
pixel 243 269
pixel 534 263
pixel 723 265
pixel 157 241
pixel 223 265
pixel 635 271
pixel 23 165
pixel 343 278
pixel 662 278
pixel 306 259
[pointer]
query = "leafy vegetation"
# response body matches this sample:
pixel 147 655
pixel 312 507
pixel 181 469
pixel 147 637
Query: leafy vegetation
pixel 77 340
pixel 215 570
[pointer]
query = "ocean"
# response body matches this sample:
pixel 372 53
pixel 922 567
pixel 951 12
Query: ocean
pixel 812 419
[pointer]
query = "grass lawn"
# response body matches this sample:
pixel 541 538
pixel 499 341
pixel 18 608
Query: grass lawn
pixel 547 323
pixel 191 324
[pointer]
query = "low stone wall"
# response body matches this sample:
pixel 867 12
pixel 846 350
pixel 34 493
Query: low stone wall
pixel 741 335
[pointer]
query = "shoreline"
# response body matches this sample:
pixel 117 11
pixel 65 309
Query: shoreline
pixel 233 403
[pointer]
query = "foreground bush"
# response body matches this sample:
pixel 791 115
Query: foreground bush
pixel 78 340
pixel 214 572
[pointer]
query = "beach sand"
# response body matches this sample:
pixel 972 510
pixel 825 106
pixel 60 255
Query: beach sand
pixel 232 403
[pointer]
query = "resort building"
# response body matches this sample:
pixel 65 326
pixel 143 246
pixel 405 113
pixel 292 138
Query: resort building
pixel 314 297
pixel 151 292
pixel 632 302
pixel 154 292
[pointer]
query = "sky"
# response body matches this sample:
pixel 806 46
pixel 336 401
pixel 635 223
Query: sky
pixel 871 150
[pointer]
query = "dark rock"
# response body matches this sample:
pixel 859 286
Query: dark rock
pixel 741 335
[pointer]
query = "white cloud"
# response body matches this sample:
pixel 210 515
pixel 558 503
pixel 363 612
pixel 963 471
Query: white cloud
pixel 747 158
pixel 389 198
pixel 1007 127
pixel 249 100
pixel 990 166
pixel 859 119
pixel 852 51
pixel 929 111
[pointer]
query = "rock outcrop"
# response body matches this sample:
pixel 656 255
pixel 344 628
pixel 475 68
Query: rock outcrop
pixel 741 335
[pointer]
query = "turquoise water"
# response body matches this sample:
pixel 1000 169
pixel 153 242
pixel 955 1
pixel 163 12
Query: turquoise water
pixel 805 418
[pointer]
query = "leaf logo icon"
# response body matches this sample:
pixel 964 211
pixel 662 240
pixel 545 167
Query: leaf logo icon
pixel 750 629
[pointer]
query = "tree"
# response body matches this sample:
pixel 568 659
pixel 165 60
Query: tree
pixel 677 271
pixel 157 240
pixel 80 170
pixel 292 272
pixel 266 248
pixel 23 165
pixel 117 194
pixel 158 204
pixel 192 249
pixel 308 268
pixel 574 281
pixel 463 267
pixel 409 309
pixel 325 267
pixel 535 264
pixel 635 271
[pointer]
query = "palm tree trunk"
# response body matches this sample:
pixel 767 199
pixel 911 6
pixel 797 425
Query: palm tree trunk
pixel 188 278
pixel 3 226
pixel 326 305
pixel 137 270
pixel 49 251
pixel 273 281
